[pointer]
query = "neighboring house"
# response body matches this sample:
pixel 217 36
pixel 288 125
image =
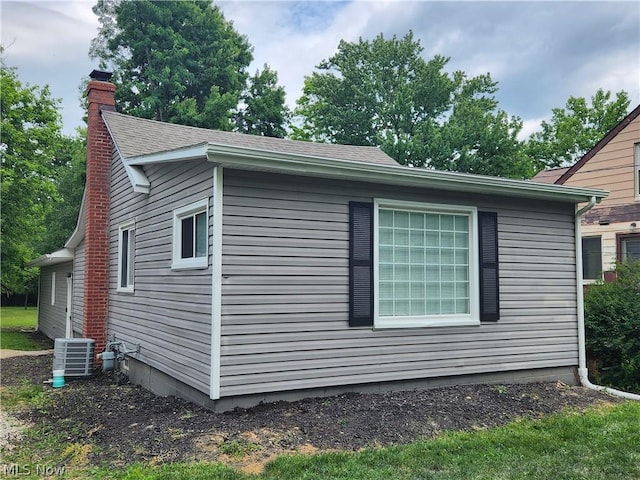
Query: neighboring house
pixel 246 268
pixel 611 230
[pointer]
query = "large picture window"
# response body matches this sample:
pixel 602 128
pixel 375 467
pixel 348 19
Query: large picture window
pixel 126 249
pixel 424 265
pixel 191 236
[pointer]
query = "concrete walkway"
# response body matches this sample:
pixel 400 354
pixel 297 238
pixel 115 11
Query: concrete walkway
pixel 6 353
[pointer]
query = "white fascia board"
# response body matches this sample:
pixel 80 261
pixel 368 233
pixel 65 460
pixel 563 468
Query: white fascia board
pixel 179 155
pixel 78 233
pixel 246 159
pixel 60 256
pixel 243 158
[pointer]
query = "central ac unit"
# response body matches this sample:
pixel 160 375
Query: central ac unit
pixel 74 356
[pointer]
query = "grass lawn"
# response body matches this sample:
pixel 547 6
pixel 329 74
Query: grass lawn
pixel 13 320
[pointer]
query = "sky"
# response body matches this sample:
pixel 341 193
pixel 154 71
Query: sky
pixel 540 53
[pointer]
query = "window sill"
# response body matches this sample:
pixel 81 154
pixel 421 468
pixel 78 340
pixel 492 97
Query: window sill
pixel 422 322
pixel 128 290
pixel 200 264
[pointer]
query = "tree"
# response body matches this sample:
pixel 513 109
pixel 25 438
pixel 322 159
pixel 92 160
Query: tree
pixel 576 128
pixel 264 112
pixel 382 92
pixel 31 133
pixel 69 178
pixel 178 62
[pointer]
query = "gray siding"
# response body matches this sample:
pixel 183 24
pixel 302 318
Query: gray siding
pixel 169 313
pixel 52 318
pixel 285 291
pixel 78 290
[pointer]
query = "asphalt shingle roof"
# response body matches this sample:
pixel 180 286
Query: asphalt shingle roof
pixel 138 136
pixel 549 176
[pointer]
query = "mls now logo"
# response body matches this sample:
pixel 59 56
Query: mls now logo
pixel 15 469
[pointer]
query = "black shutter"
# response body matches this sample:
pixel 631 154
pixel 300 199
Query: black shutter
pixel 360 264
pixel 489 288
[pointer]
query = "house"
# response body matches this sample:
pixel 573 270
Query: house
pixel 611 230
pixel 241 269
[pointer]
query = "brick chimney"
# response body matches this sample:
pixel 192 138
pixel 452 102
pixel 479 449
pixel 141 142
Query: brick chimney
pixel 100 96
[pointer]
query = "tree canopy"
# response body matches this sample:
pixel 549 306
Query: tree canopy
pixel 179 62
pixel 263 111
pixel 31 134
pixel 576 128
pixel 382 92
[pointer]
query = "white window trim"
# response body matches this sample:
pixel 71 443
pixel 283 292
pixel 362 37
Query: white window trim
pixel 636 171
pixel 179 263
pixel 471 319
pixel 53 288
pixel 131 227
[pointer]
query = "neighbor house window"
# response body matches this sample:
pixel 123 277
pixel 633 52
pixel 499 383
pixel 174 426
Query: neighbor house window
pixel 425 265
pixel 191 236
pixel 628 246
pixel 636 171
pixel 126 250
pixel 591 258
pixel 53 288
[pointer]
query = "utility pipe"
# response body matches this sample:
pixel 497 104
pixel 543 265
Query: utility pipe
pixel 583 371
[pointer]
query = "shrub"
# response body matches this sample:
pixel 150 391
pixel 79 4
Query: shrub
pixel 612 321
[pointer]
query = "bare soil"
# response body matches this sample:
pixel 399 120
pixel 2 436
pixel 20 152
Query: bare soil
pixel 126 424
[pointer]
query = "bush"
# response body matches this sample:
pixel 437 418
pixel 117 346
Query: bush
pixel 612 321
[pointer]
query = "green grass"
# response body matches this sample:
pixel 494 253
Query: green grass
pixel 13 320
pixel 18 317
pixel 600 444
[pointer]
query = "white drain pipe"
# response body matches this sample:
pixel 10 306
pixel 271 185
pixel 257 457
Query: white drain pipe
pixel 583 371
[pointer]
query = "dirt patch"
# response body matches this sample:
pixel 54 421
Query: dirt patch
pixel 126 423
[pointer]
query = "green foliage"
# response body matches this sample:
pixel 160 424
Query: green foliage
pixel 382 92
pixel 576 128
pixel 264 112
pixel 239 447
pixel 69 178
pixel 31 135
pixel 612 321
pixel 179 62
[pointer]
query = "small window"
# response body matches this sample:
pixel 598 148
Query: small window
pixel 191 236
pixel 126 250
pixel 629 247
pixel 53 288
pixel 591 258
pixel 424 265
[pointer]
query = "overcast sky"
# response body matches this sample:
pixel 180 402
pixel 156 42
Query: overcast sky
pixel 540 52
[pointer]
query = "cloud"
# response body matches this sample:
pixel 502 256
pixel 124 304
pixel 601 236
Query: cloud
pixel 540 52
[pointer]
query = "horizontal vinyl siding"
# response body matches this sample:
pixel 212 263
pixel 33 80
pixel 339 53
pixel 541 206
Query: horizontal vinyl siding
pixel 52 318
pixel 169 313
pixel 285 291
pixel 78 290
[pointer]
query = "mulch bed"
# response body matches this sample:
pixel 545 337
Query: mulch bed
pixel 127 424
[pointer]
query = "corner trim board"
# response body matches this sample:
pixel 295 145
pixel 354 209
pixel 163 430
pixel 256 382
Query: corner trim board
pixel 216 285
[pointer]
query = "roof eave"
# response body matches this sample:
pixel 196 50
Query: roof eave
pixel 241 158
pixel 55 258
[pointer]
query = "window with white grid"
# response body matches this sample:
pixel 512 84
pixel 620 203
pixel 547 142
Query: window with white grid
pixel 424 262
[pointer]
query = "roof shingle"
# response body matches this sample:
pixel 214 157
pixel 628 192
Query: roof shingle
pixel 138 136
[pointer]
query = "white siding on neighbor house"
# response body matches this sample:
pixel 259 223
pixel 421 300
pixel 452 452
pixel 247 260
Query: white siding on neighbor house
pixel 52 318
pixel 169 312
pixel 285 291
pixel 78 290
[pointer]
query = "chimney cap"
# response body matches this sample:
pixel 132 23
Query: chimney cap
pixel 100 75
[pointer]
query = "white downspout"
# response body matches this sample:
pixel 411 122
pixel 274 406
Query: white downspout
pixel 583 371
